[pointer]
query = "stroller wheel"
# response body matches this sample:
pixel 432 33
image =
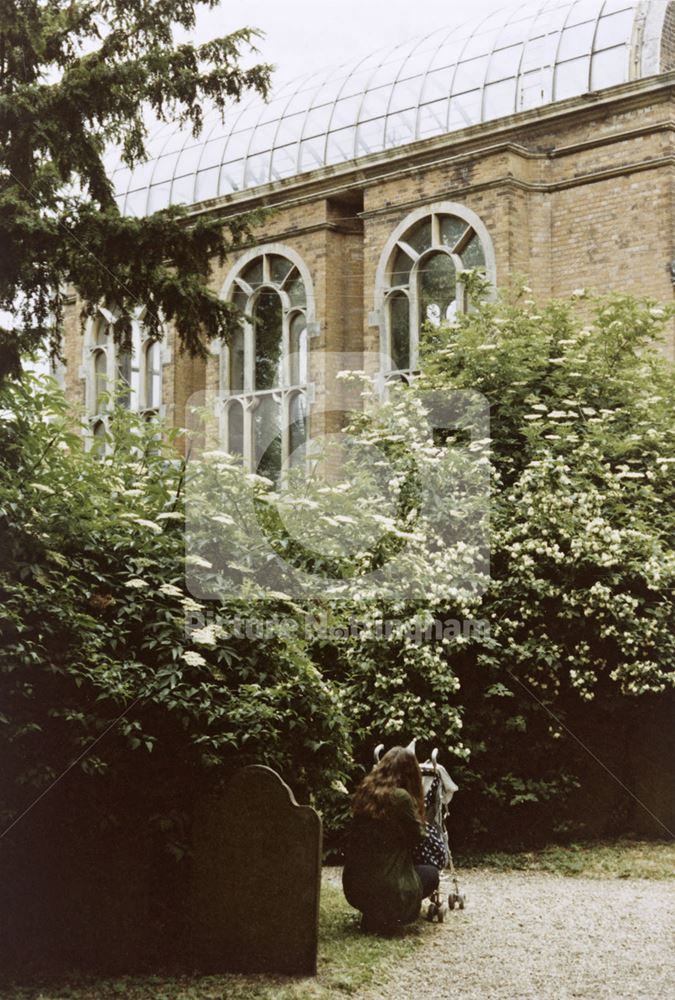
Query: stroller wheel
pixel 462 902
pixel 452 900
pixel 442 910
pixel 432 910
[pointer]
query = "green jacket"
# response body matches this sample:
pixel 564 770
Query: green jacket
pixel 379 877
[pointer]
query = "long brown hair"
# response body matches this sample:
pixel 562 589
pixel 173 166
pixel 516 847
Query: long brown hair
pixel 397 769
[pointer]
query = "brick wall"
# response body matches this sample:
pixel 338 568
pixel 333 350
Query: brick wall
pixel 576 196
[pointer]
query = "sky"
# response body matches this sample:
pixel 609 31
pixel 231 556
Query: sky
pixel 305 35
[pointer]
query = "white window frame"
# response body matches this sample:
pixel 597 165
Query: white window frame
pixel 249 398
pixel 384 289
pixel 141 343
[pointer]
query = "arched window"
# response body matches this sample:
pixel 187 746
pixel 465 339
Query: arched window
pixel 419 279
pixel 128 378
pixel 265 367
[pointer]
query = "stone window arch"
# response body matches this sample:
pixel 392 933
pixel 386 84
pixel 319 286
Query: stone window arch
pixel 419 278
pixel 264 370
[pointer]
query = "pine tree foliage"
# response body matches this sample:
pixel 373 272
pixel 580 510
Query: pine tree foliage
pixel 76 77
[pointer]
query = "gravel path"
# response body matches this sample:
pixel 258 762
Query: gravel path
pixel 531 936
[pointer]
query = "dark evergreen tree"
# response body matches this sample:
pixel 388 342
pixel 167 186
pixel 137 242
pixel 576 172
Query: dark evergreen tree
pixel 75 77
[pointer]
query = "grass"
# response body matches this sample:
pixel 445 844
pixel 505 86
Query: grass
pixel 590 859
pixel 348 962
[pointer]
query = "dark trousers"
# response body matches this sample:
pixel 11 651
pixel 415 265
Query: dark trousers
pixel 428 877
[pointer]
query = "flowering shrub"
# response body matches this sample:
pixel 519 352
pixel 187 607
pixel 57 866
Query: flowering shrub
pixel 99 672
pixel 579 604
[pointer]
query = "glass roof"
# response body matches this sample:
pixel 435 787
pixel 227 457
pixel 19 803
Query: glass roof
pixel 523 56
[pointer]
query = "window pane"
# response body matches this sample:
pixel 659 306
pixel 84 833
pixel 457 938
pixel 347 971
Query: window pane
pixel 571 78
pixel 399 330
pixel 470 74
pixel 124 379
pixel 451 230
pixel 473 255
pixel 267 316
pixel 500 99
pixel 419 238
pixel 152 377
pixel 576 41
pixel 297 430
pixel 99 439
pixel 235 429
pixel 340 145
pixel 614 30
pixel 279 268
pixel 267 422
pixel 298 350
pixel 295 290
pixel 436 284
pixel 253 274
pixel 609 68
pixel 100 379
pixel 102 332
pixel 237 362
pixel 400 274
pixel 465 110
pixel 432 118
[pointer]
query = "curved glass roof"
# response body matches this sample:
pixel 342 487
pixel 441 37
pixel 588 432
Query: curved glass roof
pixel 523 56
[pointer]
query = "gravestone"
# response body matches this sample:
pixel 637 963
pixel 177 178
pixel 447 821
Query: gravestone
pixel 256 878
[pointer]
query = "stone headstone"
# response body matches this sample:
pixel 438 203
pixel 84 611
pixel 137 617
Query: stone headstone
pixel 256 878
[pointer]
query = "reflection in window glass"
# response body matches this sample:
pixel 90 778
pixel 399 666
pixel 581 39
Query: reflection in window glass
pixel 295 290
pixel 100 379
pixel 235 429
pixel 473 255
pixel 437 288
pixel 399 330
pixel 400 274
pixel 236 381
pixel 451 230
pixel 279 268
pixel 153 376
pixel 253 274
pixel 419 238
pixel 298 350
pixel 297 430
pixel 267 431
pixel 267 323
pixel 123 387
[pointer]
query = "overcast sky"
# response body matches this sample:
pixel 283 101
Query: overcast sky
pixel 304 35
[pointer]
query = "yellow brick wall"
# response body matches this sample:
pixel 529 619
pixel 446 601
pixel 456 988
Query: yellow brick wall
pixel 580 197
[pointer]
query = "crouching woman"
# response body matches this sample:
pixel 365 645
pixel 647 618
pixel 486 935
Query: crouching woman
pixel 379 877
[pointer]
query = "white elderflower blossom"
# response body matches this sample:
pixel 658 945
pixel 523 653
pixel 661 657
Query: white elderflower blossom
pixel 170 590
pixel 135 583
pixel 150 525
pixel 193 658
pixel 195 560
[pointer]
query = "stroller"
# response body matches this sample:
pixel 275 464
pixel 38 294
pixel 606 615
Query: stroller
pixel 439 789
